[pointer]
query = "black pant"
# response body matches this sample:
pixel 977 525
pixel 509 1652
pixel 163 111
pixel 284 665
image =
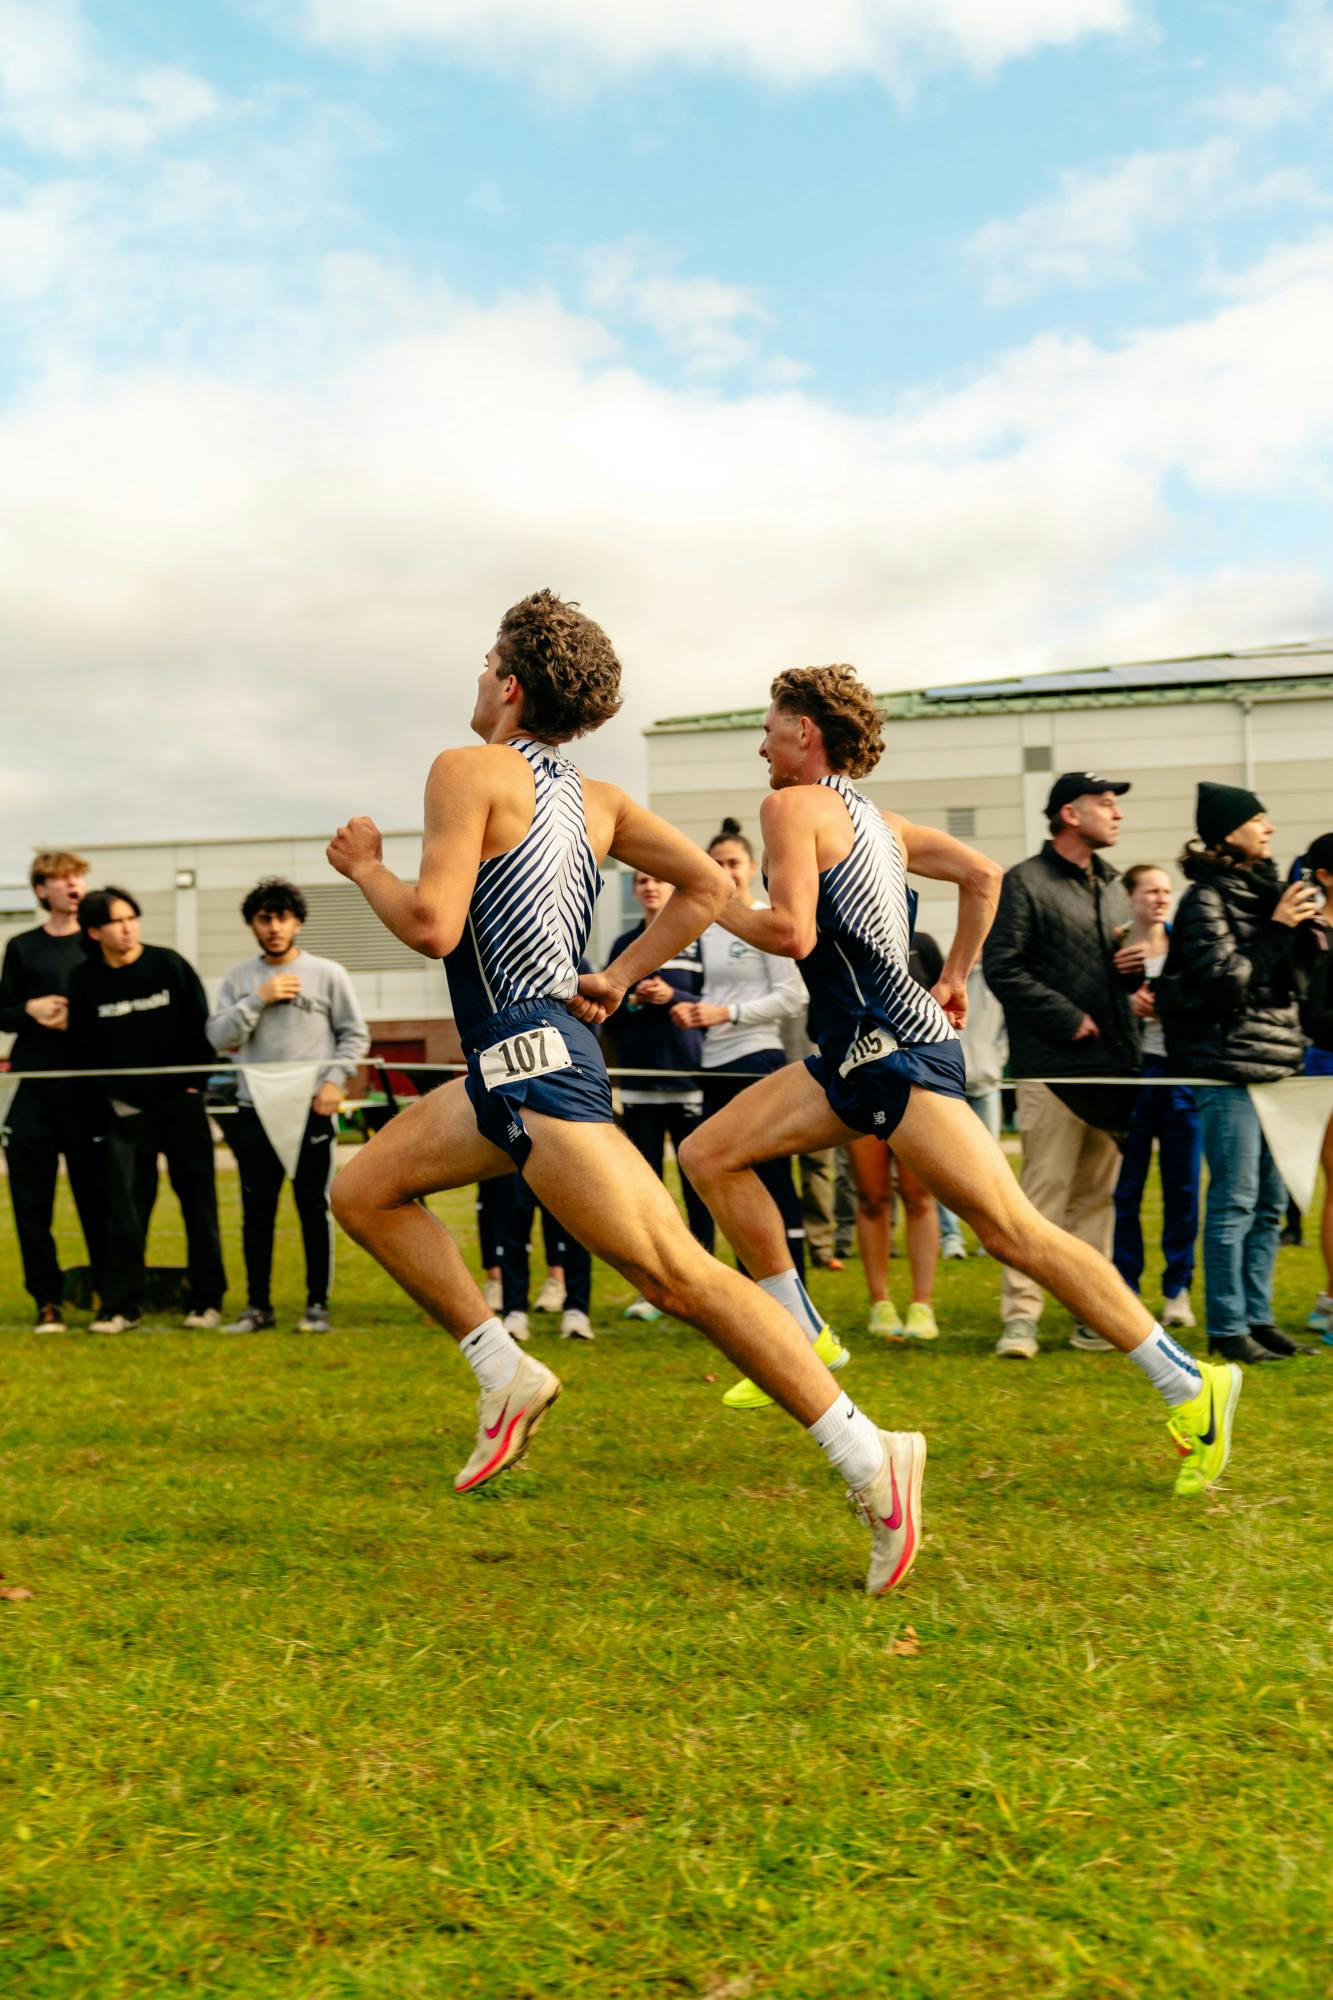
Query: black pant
pixel 776 1175
pixel 262 1176
pixel 46 1120
pixel 178 1127
pixel 649 1126
pixel 511 1205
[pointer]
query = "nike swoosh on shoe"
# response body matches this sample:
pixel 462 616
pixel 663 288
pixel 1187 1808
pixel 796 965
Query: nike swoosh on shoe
pixel 895 1519
pixel 495 1432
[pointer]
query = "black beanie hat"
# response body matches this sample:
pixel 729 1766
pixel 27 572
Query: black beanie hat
pixel 1220 809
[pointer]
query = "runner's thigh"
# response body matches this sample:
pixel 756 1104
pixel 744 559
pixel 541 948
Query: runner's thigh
pixel 433 1144
pixel 601 1189
pixel 786 1112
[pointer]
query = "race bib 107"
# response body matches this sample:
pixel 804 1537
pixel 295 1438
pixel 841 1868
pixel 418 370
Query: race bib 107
pixel 535 1052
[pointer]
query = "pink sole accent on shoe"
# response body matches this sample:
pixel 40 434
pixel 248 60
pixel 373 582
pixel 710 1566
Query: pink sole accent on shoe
pixel 498 1462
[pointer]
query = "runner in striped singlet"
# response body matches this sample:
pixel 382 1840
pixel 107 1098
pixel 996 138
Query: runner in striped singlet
pixel 505 891
pixel 889 1063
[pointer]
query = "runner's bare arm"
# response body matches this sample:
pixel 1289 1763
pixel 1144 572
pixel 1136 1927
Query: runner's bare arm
pixel 430 913
pixel 787 928
pixel 941 858
pixel 702 891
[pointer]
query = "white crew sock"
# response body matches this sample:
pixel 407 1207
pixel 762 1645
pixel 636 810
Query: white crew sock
pixel 790 1293
pixel 849 1441
pixel 491 1354
pixel 1172 1372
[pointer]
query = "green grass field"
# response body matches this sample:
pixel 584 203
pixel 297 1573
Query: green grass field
pixel 284 1717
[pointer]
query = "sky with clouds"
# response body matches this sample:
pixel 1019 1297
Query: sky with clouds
pixel 949 337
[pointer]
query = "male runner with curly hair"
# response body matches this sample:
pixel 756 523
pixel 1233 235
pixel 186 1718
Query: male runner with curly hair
pixel 514 835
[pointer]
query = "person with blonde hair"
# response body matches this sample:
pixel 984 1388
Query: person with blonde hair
pixel 49 1119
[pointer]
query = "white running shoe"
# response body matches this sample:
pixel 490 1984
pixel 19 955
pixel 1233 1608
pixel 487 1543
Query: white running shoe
pixel 1177 1310
pixel 575 1325
pixel 516 1325
pixel 640 1309
pixel 203 1321
pixel 1018 1341
pixel 114 1323
pixel 506 1420
pixel 952 1248
pixel 493 1293
pixel 891 1508
pixel 551 1297
pixel 1087 1342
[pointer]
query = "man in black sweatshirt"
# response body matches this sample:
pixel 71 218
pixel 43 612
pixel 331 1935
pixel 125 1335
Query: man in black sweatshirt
pixel 135 1006
pixel 48 1119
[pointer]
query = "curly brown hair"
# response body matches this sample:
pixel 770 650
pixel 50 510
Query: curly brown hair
pixel 842 709
pixel 565 665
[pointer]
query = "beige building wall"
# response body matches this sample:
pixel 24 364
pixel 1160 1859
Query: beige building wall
pixel 998 768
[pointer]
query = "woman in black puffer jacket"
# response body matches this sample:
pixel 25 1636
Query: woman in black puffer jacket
pixel 1229 1002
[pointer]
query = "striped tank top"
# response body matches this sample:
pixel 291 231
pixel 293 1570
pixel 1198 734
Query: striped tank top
pixel 857 975
pixel 531 910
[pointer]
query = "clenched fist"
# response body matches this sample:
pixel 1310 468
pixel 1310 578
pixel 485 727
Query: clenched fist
pixel 355 847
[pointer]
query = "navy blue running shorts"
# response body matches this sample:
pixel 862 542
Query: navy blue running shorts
pixel 539 1057
pixel 872 1097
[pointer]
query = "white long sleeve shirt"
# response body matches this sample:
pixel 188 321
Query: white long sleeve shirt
pixel 761 990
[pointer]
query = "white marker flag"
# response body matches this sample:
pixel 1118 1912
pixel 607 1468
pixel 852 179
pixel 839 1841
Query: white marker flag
pixel 8 1085
pixel 282 1094
pixel 1294 1115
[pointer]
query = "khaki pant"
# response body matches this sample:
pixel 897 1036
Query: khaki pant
pixel 1069 1176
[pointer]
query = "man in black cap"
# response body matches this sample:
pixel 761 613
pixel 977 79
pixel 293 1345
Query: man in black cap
pixel 1051 961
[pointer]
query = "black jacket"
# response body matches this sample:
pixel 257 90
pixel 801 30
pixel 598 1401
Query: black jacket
pixel 149 1013
pixel 1049 960
pixel 1229 994
pixel 1317 1002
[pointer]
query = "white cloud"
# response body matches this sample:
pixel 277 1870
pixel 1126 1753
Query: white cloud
pixel 1093 229
pixel 194 570
pixel 59 95
pixel 712 326
pixel 788 44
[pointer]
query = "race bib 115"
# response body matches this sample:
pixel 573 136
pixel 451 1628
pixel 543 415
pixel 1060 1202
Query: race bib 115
pixel 870 1047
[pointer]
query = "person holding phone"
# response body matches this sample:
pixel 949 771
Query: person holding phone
pixel 1228 998
pixel 1165 1113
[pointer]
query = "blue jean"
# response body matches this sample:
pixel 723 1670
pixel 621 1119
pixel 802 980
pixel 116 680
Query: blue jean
pixel 1247 1202
pixel 1170 1116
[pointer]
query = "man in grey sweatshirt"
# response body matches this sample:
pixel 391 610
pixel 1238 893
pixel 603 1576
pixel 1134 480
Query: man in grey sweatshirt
pixel 286 1006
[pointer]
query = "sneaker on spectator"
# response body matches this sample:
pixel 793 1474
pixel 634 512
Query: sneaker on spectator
pixel 884 1319
pixel 920 1323
pixel 50 1319
pixel 551 1297
pixel 1088 1342
pixel 516 1325
pixel 114 1323
pixel 255 1319
pixel 575 1325
pixel 1018 1340
pixel 315 1319
pixel 1321 1316
pixel 1177 1310
pixel 952 1248
pixel 493 1293
pixel 203 1321
pixel 640 1309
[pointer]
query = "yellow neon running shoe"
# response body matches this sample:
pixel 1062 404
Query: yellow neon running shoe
pixel 747 1395
pixel 1201 1428
pixel 920 1322
pixel 884 1319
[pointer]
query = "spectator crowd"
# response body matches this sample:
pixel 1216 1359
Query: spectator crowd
pixel 1121 1028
